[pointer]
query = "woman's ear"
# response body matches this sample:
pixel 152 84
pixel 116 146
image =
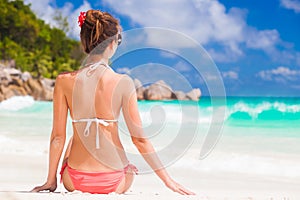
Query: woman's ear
pixel 113 46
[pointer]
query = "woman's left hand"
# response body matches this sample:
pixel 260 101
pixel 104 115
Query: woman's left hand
pixel 51 187
pixel 176 187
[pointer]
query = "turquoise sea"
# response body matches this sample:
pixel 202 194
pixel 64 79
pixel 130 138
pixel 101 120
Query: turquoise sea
pixel 259 135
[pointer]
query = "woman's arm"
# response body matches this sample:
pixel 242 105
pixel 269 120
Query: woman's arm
pixel 58 136
pixel 144 146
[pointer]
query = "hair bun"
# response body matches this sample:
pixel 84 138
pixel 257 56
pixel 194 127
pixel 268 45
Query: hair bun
pixel 98 15
pixel 98 27
pixel 92 16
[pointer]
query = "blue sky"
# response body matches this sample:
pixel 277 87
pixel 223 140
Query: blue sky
pixel 255 44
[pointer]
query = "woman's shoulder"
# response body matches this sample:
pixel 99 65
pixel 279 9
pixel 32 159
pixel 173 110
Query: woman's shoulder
pixel 125 83
pixel 66 75
pixel 125 79
pixel 65 79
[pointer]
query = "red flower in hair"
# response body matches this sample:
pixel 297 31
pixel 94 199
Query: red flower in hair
pixel 81 19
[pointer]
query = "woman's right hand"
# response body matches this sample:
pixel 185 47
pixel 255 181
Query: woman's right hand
pixel 51 187
pixel 176 187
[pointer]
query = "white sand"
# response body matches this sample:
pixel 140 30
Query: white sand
pixel 20 172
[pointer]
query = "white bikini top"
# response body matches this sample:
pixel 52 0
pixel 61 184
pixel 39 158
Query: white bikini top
pixel 86 133
pixel 89 121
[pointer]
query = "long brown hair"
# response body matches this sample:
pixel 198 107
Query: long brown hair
pixel 98 29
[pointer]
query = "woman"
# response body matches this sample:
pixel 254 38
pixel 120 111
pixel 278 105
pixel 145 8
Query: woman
pixel 95 160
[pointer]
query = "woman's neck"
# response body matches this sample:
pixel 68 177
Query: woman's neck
pixel 97 58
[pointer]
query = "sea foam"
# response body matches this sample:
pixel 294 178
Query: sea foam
pixel 16 103
pixel 264 111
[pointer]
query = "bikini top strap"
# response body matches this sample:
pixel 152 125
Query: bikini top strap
pixel 89 121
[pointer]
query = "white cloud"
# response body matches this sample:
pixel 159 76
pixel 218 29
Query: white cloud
pixel 291 4
pixel 45 10
pixel 204 20
pixel 182 67
pixel 207 21
pixel 230 75
pixel 298 58
pixel 223 54
pixel 263 39
pixel 211 77
pixel 123 70
pixel 280 74
pixel 167 54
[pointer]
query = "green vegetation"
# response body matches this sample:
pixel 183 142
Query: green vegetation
pixel 34 45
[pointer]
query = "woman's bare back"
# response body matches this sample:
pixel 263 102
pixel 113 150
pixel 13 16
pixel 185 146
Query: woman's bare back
pixel 107 103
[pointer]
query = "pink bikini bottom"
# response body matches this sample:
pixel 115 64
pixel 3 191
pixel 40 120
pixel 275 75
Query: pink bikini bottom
pixel 96 182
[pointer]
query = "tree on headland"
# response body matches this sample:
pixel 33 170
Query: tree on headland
pixel 34 45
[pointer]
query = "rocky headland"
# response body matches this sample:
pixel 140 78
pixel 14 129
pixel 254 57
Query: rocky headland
pixel 161 91
pixel 13 82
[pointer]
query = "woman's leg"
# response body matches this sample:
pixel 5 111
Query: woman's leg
pixel 126 182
